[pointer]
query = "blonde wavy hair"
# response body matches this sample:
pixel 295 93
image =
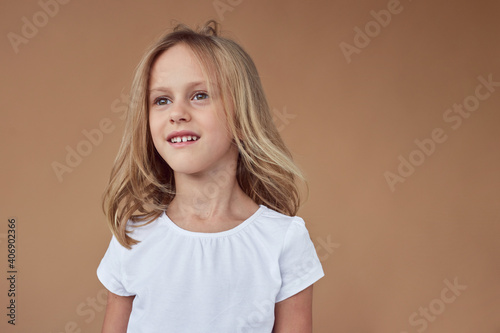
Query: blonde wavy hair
pixel 142 184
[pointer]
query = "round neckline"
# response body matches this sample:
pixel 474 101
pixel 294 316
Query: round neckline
pixel 224 233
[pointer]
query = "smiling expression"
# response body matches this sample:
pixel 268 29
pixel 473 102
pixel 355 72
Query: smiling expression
pixel 186 121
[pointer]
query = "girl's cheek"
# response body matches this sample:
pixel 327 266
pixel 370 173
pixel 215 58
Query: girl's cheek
pixel 154 127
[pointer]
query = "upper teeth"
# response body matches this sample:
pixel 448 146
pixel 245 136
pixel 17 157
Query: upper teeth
pixel 184 138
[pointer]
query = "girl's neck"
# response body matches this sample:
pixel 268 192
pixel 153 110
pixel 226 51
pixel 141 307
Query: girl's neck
pixel 210 202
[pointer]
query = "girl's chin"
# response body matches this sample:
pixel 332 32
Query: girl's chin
pixel 178 171
pixel 191 169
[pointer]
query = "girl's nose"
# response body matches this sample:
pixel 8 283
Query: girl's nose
pixel 179 113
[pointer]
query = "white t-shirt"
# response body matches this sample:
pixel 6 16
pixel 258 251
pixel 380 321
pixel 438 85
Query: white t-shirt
pixel 227 281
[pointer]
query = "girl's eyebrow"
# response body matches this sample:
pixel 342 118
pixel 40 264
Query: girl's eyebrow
pixel 188 86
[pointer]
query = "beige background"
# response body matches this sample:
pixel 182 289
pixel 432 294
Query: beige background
pixel 386 253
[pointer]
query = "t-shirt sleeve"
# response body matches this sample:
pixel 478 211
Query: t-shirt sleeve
pixel 299 263
pixel 110 270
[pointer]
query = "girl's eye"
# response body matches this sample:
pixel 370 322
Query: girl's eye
pixel 200 96
pixel 161 101
pixel 164 101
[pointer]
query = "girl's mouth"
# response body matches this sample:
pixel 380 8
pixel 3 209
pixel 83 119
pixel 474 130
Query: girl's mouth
pixel 185 138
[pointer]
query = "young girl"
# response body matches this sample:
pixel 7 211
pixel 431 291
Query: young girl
pixel 202 198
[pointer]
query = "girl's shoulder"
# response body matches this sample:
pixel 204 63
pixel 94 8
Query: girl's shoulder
pixel 280 227
pixel 277 216
pixel 142 230
pixel 274 218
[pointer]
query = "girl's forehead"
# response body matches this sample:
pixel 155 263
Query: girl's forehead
pixel 176 59
pixel 175 66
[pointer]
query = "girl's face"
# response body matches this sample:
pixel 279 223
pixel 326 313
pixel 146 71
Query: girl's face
pixel 186 121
